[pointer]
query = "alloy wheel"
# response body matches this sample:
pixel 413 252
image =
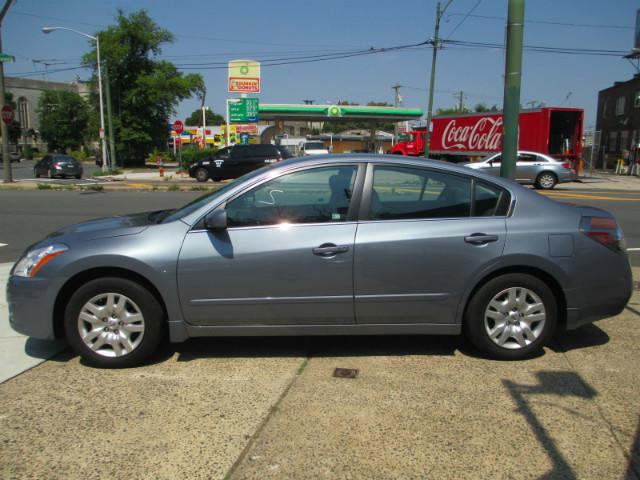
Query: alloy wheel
pixel 515 318
pixel 111 325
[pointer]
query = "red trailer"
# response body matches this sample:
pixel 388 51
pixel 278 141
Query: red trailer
pixel 555 131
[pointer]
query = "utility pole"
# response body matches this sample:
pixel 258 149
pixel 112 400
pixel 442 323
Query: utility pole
pixel 112 143
pixel 4 128
pixel 396 103
pixel 512 80
pixel 436 44
pixel 460 97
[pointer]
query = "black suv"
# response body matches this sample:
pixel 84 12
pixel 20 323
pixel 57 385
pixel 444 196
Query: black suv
pixel 232 162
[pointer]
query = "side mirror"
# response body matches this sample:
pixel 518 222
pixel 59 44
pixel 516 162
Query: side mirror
pixel 491 162
pixel 216 220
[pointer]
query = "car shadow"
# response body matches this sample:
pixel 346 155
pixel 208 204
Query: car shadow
pixel 310 346
pixel 589 335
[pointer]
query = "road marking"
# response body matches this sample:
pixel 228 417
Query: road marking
pixel 3 245
pixel 632 249
pixel 589 197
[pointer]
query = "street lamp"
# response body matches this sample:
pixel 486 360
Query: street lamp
pixel 97 40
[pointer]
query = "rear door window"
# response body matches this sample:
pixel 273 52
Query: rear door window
pixel 415 193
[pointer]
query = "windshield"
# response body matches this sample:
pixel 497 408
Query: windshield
pixel 208 197
pixel 314 146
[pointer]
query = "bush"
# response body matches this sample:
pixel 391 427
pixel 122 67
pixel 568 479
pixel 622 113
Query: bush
pixel 27 152
pixel 192 155
pixel 78 155
pixel 165 156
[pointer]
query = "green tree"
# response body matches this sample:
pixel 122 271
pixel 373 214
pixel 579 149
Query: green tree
pixel 64 119
pixel 212 118
pixel 451 111
pixel 145 91
pixel 481 107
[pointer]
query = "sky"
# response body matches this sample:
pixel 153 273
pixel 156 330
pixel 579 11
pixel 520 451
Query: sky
pixel 218 31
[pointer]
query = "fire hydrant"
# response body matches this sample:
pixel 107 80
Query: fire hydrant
pixel 160 165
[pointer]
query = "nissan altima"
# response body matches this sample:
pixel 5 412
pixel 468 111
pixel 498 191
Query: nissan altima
pixel 328 245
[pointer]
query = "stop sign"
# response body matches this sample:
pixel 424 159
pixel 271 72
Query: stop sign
pixel 7 114
pixel 178 127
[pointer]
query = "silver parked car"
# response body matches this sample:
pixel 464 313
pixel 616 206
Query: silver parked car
pixel 532 168
pixel 328 245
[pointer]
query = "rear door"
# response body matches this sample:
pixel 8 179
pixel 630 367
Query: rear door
pixel 420 241
pixel 527 167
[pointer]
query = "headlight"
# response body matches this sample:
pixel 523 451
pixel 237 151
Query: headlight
pixel 35 259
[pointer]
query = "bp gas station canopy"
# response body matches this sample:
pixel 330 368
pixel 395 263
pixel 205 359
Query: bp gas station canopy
pixel 320 113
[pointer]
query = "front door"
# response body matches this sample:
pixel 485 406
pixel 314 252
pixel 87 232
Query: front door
pixel 422 242
pixel 286 257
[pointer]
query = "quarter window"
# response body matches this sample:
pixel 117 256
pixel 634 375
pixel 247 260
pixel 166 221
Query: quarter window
pixel 489 201
pixel 311 196
pixel 407 193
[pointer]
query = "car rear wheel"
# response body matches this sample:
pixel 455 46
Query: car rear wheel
pixel 511 316
pixel 546 181
pixel 78 177
pixel 202 175
pixel 114 323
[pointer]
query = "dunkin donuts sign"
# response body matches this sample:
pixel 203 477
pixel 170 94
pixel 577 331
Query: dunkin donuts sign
pixel 472 134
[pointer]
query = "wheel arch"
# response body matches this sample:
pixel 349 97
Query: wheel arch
pixel 553 284
pixel 85 276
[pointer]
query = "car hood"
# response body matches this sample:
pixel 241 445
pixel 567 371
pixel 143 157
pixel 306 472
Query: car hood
pixel 110 226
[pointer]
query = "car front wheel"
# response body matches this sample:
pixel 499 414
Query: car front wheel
pixel 511 317
pixel 114 323
pixel 546 181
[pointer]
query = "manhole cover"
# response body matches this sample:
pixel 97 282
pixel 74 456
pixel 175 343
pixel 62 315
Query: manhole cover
pixel 345 373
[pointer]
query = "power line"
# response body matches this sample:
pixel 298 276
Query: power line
pixel 543 49
pixel 463 19
pixel 547 22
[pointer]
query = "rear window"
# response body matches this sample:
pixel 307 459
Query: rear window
pixel 63 159
pixel 284 151
pixel 255 151
pixel 314 146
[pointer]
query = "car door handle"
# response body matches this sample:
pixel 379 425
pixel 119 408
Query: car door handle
pixel 480 238
pixel 330 249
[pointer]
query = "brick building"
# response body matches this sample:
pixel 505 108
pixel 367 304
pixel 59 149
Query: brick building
pixel 618 119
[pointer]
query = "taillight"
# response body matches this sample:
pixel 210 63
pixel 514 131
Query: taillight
pixel 604 230
pixel 57 165
pixel 567 165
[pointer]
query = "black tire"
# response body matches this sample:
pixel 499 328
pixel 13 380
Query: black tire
pixel 546 180
pixel 202 175
pixel 474 318
pixel 217 179
pixel 150 308
pixel 78 177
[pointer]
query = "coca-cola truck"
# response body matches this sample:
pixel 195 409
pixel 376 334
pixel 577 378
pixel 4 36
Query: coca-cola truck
pixel 555 131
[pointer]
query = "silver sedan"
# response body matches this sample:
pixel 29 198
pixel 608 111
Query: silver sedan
pixel 532 168
pixel 328 245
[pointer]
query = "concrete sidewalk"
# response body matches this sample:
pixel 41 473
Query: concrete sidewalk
pixel 269 408
pixel 17 352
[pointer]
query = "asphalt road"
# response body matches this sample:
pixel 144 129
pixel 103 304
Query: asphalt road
pixel 24 170
pixel 27 216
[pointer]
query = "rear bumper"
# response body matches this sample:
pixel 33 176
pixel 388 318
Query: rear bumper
pixel 603 300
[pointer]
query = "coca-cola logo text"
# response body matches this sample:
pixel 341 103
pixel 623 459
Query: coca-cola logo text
pixel 484 135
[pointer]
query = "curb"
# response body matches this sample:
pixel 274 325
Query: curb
pixel 111 187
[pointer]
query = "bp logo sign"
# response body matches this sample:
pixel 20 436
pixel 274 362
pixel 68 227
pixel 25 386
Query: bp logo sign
pixel 334 111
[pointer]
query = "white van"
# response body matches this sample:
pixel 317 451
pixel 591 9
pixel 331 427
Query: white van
pixel 313 148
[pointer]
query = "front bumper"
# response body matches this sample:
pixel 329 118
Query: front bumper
pixel 31 306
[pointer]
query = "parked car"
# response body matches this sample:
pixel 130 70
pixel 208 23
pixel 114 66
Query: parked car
pixel 57 165
pixel 313 148
pixel 537 169
pixel 235 161
pixel 14 156
pixel 328 245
